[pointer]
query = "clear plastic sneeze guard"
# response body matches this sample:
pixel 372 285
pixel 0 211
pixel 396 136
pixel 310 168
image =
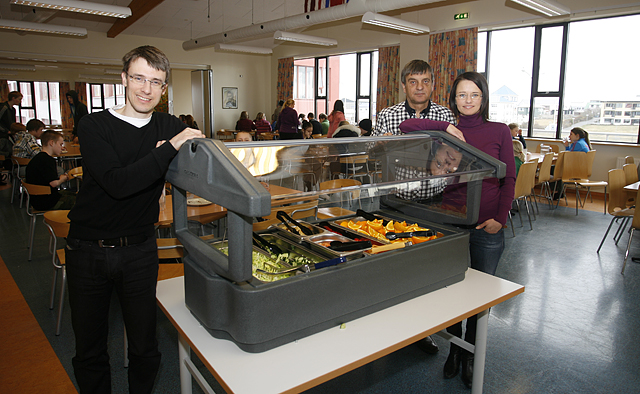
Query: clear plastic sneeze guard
pixel 398 201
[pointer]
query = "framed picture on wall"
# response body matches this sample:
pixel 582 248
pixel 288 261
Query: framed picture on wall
pixel 230 98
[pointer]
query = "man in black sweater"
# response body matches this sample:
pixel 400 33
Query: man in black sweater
pixel 126 151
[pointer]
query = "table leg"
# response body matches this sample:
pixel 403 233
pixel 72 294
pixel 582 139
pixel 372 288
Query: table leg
pixel 480 352
pixel 184 352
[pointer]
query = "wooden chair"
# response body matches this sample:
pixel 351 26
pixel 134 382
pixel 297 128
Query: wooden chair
pixel 554 148
pixel 617 206
pixel 629 160
pixel 355 167
pixel 635 224
pixel 77 174
pixel 588 184
pixel 57 223
pixel 630 176
pixel 266 136
pixel 33 190
pixel 318 136
pixel 18 163
pixel 296 211
pixel 333 212
pixel 544 176
pixel 574 169
pixel 524 184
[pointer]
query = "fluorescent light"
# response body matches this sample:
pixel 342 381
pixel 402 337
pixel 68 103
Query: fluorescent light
pixel 393 23
pixel 42 27
pixel 243 48
pixel 547 7
pixel 286 36
pixel 84 7
pixel 17 67
pixel 99 77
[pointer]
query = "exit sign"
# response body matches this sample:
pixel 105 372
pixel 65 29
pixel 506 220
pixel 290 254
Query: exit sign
pixel 458 17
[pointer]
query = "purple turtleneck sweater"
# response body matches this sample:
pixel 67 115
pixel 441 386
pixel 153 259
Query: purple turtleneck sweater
pixel 494 139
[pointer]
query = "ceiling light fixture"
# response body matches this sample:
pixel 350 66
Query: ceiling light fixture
pixel 42 27
pixel 393 23
pixel 286 36
pixel 547 7
pixel 17 67
pixel 99 77
pixel 243 48
pixel 84 7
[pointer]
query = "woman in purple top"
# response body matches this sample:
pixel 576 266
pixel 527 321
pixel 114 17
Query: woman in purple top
pixel 244 123
pixel 469 101
pixel 288 121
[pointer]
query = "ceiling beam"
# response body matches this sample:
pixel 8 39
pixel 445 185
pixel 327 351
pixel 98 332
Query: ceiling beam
pixel 139 8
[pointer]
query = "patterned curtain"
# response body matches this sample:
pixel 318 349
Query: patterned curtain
pixel 388 77
pixel 81 88
pixel 163 105
pixel 65 110
pixel 451 54
pixel 4 90
pixel 285 78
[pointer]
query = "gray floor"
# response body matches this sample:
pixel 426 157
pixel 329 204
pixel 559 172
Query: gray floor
pixel 572 331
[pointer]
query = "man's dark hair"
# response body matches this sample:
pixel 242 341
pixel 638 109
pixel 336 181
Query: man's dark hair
pixel 49 135
pixel 34 124
pixel 13 95
pixel 415 67
pixel 154 57
pixel 322 116
pixel 280 103
pixel 310 115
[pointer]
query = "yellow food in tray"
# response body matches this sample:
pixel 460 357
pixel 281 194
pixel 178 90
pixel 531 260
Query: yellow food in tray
pixel 376 229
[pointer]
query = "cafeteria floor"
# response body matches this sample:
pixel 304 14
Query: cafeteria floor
pixel 574 330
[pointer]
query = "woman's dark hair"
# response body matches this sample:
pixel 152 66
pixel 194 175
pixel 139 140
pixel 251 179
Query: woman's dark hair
pixel 306 124
pixel 582 133
pixel 338 106
pixel 481 83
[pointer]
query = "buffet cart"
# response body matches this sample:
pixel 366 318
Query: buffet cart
pixel 403 235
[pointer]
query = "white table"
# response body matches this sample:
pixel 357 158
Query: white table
pixel 335 351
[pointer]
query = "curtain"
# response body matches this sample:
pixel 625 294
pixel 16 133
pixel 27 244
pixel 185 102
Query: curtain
pixel 65 110
pixel 163 105
pixel 81 88
pixel 451 54
pixel 388 77
pixel 4 90
pixel 285 78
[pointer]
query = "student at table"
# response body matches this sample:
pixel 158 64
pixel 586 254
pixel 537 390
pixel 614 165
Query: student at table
pixel 516 134
pixel 335 117
pixel 578 141
pixel 42 170
pixel 469 101
pixel 111 243
pixel 518 154
pixel 244 123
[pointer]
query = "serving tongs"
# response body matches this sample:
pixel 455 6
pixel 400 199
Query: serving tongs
pixel 268 246
pixel 421 233
pixel 307 267
pixel 371 217
pixel 285 218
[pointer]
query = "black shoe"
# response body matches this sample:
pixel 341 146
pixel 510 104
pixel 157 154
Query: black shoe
pixel 428 345
pixel 452 365
pixel 467 369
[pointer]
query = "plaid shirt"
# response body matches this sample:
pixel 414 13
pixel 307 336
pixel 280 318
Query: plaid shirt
pixel 389 119
pixel 418 190
pixel 26 145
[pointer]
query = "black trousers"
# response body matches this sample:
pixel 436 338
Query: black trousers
pixel 92 274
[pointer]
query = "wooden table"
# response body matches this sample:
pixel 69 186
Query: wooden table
pixel 212 212
pixel 633 186
pixel 539 157
pixel 333 352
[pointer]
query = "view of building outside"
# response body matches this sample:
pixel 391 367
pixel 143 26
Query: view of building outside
pixel 601 92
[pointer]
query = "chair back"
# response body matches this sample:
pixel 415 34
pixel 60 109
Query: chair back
pixel 20 161
pixel 317 136
pixel 591 156
pixel 630 173
pixel 525 180
pixel 58 221
pixel 617 194
pixel 629 160
pixel 36 190
pixel 74 172
pixel 636 214
pixel 574 167
pixel 557 173
pixel 169 248
pixel 555 148
pixel 544 175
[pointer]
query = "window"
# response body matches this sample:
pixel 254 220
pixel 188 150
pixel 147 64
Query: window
pixel 352 78
pixel 104 95
pixel 40 100
pixel 545 67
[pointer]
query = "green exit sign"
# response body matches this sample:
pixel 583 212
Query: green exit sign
pixel 458 17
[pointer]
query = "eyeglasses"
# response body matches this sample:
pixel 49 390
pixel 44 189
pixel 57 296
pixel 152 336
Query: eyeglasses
pixel 473 96
pixel 138 80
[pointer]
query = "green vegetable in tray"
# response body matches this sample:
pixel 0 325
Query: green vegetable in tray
pixel 265 263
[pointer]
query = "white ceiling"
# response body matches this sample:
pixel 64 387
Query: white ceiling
pixel 172 19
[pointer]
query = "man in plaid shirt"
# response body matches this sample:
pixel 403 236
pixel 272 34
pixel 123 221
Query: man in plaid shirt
pixel 26 144
pixel 417 84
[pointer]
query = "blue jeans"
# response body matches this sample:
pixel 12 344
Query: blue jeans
pixel 92 274
pixel 485 251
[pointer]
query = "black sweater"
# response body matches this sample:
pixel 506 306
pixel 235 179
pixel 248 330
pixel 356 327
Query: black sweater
pixel 123 175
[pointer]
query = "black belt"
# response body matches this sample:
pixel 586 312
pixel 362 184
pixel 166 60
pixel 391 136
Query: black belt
pixel 122 241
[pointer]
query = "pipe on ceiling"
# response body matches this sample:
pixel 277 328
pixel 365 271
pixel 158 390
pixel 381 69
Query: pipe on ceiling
pixel 325 15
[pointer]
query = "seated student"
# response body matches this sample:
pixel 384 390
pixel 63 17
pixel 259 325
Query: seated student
pixel 42 170
pixel 518 153
pixel 324 122
pixel 346 129
pixel 516 134
pixel 26 144
pixel 243 136
pixel 366 127
pixel 578 141
pixel 262 125
pixel 244 123
pixel 307 130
